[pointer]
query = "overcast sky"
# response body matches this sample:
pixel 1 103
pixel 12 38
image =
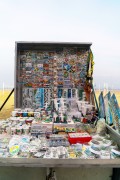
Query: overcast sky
pixel 96 21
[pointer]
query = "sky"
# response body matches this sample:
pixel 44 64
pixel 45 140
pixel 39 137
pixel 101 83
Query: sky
pixel 96 21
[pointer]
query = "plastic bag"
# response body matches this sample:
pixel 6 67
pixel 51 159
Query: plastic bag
pixel 101 127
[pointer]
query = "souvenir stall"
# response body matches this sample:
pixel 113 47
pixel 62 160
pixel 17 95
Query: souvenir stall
pixel 56 121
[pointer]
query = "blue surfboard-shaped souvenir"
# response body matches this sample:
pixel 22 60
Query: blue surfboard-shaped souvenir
pixel 107 109
pixel 115 111
pixel 101 106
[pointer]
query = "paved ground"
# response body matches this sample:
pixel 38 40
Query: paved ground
pixel 15 173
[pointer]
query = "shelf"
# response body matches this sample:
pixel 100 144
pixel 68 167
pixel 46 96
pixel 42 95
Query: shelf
pixel 30 162
pixel 114 135
pixel 37 162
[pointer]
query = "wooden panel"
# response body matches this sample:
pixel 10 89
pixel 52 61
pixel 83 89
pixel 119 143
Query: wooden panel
pixel 19 162
pixel 114 135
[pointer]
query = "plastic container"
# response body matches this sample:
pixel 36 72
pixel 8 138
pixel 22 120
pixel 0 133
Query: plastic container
pixel 79 138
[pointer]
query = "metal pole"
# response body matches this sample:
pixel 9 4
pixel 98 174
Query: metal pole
pixel 95 100
pixel 51 175
pixel 6 99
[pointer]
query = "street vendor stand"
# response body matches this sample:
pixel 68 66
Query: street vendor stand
pixel 29 78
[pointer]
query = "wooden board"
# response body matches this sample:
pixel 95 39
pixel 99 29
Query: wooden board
pixel 30 162
pixel 114 134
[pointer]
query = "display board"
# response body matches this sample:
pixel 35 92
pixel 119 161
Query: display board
pixel 49 70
